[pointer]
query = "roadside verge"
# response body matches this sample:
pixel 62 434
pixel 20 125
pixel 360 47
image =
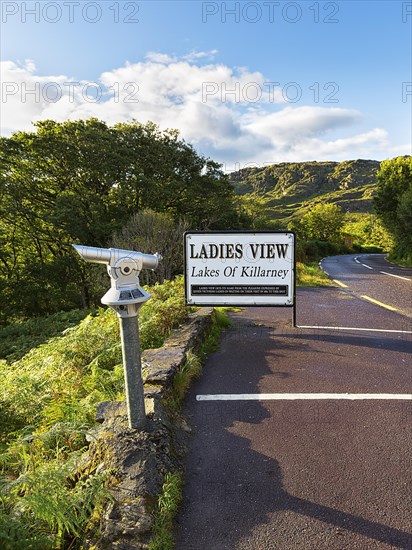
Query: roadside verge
pixel 137 463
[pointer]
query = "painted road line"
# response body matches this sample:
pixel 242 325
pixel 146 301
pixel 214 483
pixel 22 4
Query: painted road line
pixel 397 276
pixel 378 303
pixel 357 261
pixel 304 396
pixel 339 283
pixel 368 266
pixel 356 328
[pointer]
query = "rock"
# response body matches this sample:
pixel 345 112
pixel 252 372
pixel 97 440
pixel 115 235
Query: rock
pixel 110 410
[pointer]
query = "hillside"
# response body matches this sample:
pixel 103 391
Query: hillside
pixel 291 188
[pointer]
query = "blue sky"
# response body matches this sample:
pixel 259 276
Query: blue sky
pixel 340 73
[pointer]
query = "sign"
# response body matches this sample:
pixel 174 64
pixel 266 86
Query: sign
pixel 240 268
pixel 349 241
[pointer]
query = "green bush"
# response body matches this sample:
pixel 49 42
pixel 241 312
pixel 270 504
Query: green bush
pixel 367 230
pixel 315 250
pixel 16 534
pixel 371 249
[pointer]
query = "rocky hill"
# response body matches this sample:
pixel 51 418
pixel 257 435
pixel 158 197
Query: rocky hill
pixel 292 188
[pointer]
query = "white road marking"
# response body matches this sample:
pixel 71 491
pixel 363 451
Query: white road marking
pixel 304 396
pixel 357 260
pixel 356 328
pixel 368 266
pixel 398 276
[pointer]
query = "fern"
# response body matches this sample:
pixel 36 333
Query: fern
pixel 14 535
pixel 48 399
pixel 50 499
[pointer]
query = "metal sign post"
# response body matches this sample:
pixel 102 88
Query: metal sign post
pixel 126 297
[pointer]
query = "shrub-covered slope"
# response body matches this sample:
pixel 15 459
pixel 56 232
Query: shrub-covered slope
pixel 49 490
pixel 293 187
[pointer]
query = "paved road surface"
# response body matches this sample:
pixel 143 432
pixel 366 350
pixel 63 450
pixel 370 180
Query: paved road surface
pixel 373 276
pixel 312 474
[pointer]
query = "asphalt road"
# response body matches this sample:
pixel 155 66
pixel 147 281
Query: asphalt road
pixel 315 474
pixel 373 276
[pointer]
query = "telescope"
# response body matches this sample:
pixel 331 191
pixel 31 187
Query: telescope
pixel 124 266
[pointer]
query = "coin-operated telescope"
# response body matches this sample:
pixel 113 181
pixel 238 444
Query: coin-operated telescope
pixel 126 297
pixel 124 266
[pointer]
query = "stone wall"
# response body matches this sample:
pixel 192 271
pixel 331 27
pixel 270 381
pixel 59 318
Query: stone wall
pixel 135 460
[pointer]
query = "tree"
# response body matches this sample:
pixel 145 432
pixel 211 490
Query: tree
pixel 57 188
pixel 254 210
pixel 324 222
pixel 149 232
pixel 368 230
pixel 404 227
pixel 167 175
pixel 393 202
pixel 79 182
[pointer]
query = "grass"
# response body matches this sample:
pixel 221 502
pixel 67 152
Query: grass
pixel 403 262
pixel 311 274
pixel 192 368
pixel 166 509
pixel 221 320
pixel 49 505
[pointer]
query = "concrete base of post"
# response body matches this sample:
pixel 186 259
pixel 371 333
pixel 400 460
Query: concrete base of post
pixel 129 333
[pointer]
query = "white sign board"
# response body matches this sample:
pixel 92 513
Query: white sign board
pixel 240 268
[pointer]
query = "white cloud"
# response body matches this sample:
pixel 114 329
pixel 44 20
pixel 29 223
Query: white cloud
pixel 157 57
pixel 231 114
pixel 193 56
pixel 297 123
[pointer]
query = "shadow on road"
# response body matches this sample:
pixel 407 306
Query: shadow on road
pixel 403 344
pixel 234 493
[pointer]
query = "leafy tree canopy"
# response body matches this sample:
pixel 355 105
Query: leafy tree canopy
pixel 81 181
pixel 393 203
pixel 324 223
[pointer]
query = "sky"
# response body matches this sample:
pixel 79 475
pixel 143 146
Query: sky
pixel 247 83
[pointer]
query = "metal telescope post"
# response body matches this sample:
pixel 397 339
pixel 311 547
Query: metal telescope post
pixel 126 297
